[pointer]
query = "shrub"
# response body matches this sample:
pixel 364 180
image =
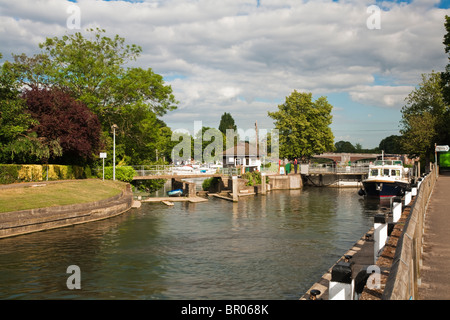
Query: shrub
pixel 210 182
pixel 8 173
pixel 253 178
pixel 149 185
pixel 124 173
pixel 13 173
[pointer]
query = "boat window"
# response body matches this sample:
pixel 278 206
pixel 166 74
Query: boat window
pixel 397 173
pixel 374 172
pixel 385 172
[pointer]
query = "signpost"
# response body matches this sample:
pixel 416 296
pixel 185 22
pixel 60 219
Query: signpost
pixel 442 148
pixel 439 149
pixel 103 156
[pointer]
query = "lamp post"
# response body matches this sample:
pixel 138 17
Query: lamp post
pixel 114 127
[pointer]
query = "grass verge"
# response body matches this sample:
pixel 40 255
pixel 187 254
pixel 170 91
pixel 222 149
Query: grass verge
pixel 58 194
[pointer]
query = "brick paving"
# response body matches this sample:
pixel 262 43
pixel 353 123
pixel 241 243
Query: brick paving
pixel 435 270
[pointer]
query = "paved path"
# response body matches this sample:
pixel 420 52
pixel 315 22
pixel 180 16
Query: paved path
pixel 435 272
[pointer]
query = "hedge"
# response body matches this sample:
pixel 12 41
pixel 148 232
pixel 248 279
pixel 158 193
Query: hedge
pixel 123 173
pixel 13 173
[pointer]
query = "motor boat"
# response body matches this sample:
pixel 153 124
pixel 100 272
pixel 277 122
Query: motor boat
pixel 386 178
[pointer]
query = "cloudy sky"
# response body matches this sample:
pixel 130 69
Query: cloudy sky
pixel 245 56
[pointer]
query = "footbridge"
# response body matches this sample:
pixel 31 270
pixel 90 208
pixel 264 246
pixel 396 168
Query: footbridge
pixel 153 172
pixel 346 157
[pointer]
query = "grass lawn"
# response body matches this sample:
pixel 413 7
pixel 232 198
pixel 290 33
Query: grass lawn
pixel 58 194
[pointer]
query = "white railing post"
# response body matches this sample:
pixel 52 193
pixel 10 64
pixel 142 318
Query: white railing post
pixel 341 285
pixel 380 234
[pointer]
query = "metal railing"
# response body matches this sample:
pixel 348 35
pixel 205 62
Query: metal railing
pixel 148 170
pixel 356 169
pixel 151 170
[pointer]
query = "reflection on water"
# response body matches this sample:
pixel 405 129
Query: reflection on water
pixel 264 247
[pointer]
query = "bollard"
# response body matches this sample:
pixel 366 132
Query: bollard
pixel 263 183
pixel 407 197
pixel 341 283
pixel 313 294
pixel 235 189
pixel 396 209
pixel 347 258
pixel 380 234
pixel 414 189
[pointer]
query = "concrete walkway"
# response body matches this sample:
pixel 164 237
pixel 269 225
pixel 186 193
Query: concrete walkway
pixel 435 272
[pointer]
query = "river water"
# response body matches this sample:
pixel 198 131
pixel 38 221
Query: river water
pixel 263 247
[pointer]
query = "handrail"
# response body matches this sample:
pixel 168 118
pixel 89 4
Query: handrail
pixel 404 276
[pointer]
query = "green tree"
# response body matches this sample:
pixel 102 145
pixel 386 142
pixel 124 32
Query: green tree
pixel 443 127
pixel 445 76
pixel 211 145
pixel 18 142
pixel 344 146
pixel 424 117
pixel 392 144
pixel 303 126
pixel 94 69
pixel 226 122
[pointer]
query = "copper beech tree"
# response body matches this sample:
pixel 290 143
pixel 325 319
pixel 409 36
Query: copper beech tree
pixel 64 120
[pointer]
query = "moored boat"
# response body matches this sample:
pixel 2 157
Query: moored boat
pixel 175 193
pixel 387 178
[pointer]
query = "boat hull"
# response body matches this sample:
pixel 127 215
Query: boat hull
pixel 175 193
pixel 384 189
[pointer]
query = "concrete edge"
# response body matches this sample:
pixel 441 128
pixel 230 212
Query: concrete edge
pixel 34 220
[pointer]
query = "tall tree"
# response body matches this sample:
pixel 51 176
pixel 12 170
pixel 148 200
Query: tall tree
pixel 344 146
pixel 424 117
pixel 93 69
pixel 226 122
pixel 392 144
pixel 61 118
pixel 443 128
pixel 303 126
pixel 18 144
pixel 445 76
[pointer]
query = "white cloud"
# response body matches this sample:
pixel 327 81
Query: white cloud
pixel 233 55
pixel 383 96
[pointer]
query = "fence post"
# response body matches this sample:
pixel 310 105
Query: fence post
pixel 380 234
pixel 396 209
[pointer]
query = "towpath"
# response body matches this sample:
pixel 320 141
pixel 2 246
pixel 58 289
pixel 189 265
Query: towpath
pixel 435 271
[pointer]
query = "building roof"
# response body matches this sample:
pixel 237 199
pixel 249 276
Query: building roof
pixel 243 149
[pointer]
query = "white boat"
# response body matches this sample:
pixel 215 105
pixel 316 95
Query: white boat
pixel 183 170
pixel 387 178
pixel 175 193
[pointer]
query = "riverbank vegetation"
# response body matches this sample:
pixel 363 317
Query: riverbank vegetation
pixel 58 106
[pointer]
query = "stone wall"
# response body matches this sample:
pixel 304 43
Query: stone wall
pixel 34 220
pixel 403 280
pixel 285 182
pixel 189 188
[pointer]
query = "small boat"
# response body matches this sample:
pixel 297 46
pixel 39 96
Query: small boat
pixel 175 193
pixel 387 178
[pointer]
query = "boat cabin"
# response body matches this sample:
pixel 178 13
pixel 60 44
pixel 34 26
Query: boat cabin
pixel 388 169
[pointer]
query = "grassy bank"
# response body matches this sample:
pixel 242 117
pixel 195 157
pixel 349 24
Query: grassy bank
pixel 58 194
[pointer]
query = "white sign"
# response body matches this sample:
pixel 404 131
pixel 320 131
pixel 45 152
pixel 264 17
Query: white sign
pixel 103 155
pixel 442 148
